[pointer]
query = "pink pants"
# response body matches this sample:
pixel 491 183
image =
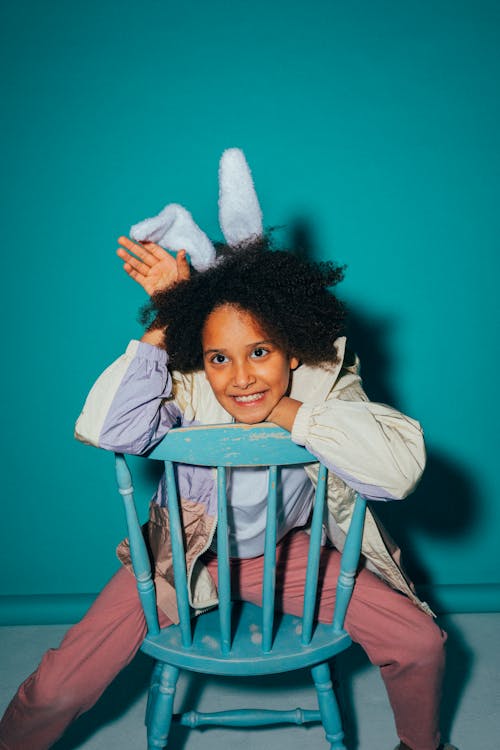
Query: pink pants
pixel 399 638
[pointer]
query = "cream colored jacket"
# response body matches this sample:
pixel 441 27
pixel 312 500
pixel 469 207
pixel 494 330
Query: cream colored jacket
pixel 369 448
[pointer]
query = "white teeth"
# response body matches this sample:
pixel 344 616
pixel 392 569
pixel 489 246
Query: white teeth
pixel 247 399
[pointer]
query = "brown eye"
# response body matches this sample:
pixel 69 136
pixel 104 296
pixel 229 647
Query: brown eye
pixel 259 352
pixel 218 359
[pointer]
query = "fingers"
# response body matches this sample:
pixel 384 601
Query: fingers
pixel 129 244
pixel 151 266
pixel 183 271
pixel 139 249
pixel 156 250
pixel 132 262
pixel 150 254
pixel 139 277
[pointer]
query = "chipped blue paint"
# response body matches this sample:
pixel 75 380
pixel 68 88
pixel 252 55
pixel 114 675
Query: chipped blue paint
pixel 240 639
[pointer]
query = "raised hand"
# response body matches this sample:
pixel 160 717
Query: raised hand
pixel 151 266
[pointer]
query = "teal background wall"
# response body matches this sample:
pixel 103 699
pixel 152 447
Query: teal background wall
pixel 372 132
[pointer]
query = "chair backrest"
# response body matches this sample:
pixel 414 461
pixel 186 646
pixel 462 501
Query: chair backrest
pixel 221 447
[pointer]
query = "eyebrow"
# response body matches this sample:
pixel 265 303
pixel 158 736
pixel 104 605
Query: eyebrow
pixel 222 350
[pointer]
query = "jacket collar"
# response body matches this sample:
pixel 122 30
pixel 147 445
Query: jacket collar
pixel 313 384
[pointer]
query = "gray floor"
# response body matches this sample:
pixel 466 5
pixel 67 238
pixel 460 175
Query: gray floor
pixel 471 707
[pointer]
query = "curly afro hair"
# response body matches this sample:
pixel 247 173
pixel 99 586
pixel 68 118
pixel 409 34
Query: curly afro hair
pixel 287 295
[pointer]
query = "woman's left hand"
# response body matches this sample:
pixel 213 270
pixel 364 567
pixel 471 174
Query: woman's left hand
pixel 153 268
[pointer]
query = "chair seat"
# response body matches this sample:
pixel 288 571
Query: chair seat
pixel 246 657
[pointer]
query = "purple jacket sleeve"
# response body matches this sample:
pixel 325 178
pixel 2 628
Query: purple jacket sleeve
pixel 127 410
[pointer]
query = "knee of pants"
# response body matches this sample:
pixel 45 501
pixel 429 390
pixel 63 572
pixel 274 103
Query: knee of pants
pixel 40 695
pixel 48 690
pixel 425 648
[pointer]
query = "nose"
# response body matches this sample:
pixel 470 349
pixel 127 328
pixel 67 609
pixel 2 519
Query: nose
pixel 243 376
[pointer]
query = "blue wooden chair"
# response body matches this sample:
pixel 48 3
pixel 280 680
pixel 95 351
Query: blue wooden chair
pixel 211 643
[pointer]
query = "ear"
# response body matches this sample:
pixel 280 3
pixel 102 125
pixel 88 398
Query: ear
pixel 294 363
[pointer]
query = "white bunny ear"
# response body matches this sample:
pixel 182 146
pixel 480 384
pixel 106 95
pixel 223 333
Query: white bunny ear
pixel 175 229
pixel 240 216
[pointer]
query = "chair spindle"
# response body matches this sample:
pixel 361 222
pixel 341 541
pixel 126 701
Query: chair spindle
pixel 349 563
pixel 269 587
pixel 178 556
pixel 313 557
pixel 223 571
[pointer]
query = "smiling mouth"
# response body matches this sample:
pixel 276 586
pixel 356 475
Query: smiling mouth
pixel 250 398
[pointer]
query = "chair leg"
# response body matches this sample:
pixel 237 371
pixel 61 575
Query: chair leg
pixel 161 705
pixel 153 691
pixel 328 707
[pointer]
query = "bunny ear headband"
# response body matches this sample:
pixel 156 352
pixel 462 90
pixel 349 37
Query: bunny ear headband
pixel 240 216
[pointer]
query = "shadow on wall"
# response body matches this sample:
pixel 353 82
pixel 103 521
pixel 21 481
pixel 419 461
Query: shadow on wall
pixel 444 485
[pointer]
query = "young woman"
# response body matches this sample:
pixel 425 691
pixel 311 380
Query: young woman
pixel 253 338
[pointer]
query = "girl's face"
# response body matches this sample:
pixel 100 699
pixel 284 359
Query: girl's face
pixel 247 371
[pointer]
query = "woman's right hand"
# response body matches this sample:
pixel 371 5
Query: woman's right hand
pixel 151 266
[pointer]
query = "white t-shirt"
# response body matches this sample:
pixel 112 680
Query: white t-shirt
pixel 247 506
